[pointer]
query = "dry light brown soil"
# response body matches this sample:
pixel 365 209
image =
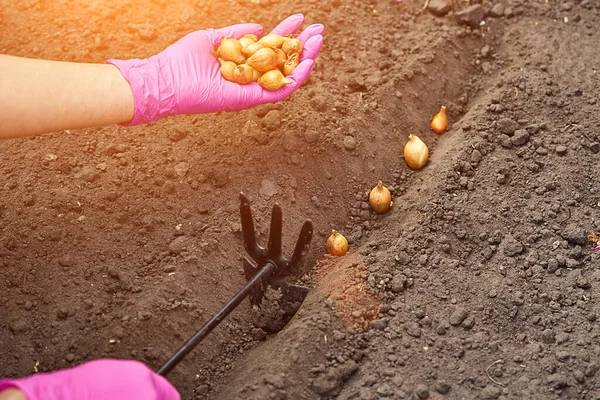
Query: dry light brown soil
pixel 479 283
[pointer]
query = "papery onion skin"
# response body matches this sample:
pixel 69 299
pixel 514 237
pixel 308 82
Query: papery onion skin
pixel 380 198
pixel 439 122
pixel 290 64
pixel 292 45
pixel 231 50
pixel 255 75
pixel 246 41
pixel 281 57
pixel 263 60
pixel 227 69
pixel 337 244
pixel 243 74
pixel 273 80
pixel 272 40
pixel 416 152
pixel 251 49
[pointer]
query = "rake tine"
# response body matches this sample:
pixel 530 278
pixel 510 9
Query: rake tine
pixel 303 244
pixel 251 245
pixel 274 246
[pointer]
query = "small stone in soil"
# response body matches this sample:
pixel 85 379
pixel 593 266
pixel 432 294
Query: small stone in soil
pixel 267 189
pixel 385 390
pixel 349 143
pixel 458 316
pixel 311 136
pixel 413 329
pixel 497 10
pixel 442 387
pixel 561 150
pixel 178 134
pixel 439 7
pixel 399 283
pixel 471 15
pixel 520 137
pixel 556 381
pixel 507 126
pixel 490 392
pixel 19 326
pixel 505 141
pixel 272 120
pixel 422 391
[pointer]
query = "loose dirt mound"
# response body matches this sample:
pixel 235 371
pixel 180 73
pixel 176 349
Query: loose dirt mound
pixel 479 283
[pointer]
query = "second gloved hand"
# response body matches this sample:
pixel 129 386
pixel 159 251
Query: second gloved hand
pixel 185 78
pixel 96 380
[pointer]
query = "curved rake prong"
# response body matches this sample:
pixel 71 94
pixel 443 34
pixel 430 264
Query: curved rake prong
pixel 303 244
pixel 274 246
pixel 255 251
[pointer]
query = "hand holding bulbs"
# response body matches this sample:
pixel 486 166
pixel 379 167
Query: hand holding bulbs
pixel 267 60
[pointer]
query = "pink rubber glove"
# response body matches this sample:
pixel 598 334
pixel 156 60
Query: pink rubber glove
pixel 96 380
pixel 186 79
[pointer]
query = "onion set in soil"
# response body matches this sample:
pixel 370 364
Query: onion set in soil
pixel 267 60
pixel 439 122
pixel 416 152
pixel 380 198
pixel 337 244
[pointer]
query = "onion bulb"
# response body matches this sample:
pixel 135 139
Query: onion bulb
pixel 243 74
pixel 227 69
pixel 231 50
pixel 255 75
pixel 336 244
pixel 251 49
pixel 251 36
pixel 281 57
pixel 272 40
pixel 292 45
pixel 246 41
pixel 263 60
pixel 380 198
pixel 439 122
pixel 416 152
pixel 273 80
pixel 290 64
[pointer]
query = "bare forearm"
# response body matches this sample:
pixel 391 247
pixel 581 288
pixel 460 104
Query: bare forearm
pixel 38 96
pixel 12 394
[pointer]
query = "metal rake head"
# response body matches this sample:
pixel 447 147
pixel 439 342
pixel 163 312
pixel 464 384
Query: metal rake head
pixel 274 301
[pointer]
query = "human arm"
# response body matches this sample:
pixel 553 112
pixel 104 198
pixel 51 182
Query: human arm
pixel 38 96
pixel 43 96
pixel 94 380
pixel 12 394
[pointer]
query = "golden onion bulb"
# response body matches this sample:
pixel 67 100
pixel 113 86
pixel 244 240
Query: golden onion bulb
pixel 337 244
pixel 439 122
pixel 380 198
pixel 292 45
pixel 263 60
pixel 231 50
pixel 416 152
pixel 272 40
pixel 273 80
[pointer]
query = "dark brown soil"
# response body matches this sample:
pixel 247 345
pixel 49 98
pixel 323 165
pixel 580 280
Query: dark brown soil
pixel 479 283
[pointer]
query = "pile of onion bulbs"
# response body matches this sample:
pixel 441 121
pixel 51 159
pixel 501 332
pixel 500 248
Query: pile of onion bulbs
pixel 267 60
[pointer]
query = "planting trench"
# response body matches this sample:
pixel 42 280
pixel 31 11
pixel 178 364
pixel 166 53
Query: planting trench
pixel 479 283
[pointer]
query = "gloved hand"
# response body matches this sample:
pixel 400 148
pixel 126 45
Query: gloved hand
pixel 186 79
pixel 96 380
